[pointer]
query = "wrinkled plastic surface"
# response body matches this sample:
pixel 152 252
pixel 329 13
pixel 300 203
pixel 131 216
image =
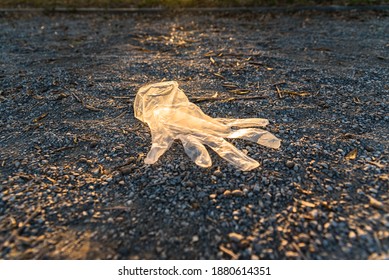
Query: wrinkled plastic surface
pixel 170 115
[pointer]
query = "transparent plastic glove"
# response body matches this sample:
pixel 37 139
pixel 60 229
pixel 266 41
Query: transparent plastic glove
pixel 170 115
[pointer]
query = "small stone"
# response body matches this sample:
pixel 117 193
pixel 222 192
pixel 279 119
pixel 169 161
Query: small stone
pixel 385 220
pixel 95 171
pixel 126 170
pixel 159 249
pixel 267 196
pixel 182 166
pixel 361 232
pixel 129 203
pixel 195 238
pixel 329 188
pixel 369 148
pixel 348 184
pixel 93 144
pixel 289 164
pixel 303 237
pixel 189 184
pixel 82 160
pixel 237 193
pixel 131 160
pixel 213 196
pixel 235 237
pixel 97 215
pixel 315 213
pixel 218 173
pixel 265 181
pixel 291 254
pixel 227 193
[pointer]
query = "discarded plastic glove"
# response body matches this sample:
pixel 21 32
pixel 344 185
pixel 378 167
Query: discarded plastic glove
pixel 170 115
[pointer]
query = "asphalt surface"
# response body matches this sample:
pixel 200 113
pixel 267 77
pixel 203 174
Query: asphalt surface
pixel 73 181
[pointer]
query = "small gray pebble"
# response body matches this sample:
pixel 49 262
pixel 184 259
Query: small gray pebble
pixel 289 164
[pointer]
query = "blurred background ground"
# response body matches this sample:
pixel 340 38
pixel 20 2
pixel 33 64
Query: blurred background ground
pixel 176 3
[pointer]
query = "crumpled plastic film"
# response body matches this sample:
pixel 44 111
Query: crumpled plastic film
pixel 170 115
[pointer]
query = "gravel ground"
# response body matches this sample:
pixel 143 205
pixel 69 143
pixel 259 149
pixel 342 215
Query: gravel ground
pixel 73 181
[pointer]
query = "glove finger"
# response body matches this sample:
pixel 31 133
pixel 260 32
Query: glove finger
pixel 258 136
pixel 154 154
pixel 230 153
pixel 196 150
pixel 244 122
pixel 158 148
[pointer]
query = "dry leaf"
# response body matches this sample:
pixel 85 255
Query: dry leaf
pixel 352 155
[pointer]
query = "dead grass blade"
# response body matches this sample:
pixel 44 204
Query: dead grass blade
pixel 91 108
pixel 209 54
pixel 222 99
pixel 305 203
pixel 219 75
pixel 228 252
pixel 377 164
pixel 278 91
pixel 296 93
pixel 76 97
pixel 41 117
pixel 230 85
pixel 239 91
